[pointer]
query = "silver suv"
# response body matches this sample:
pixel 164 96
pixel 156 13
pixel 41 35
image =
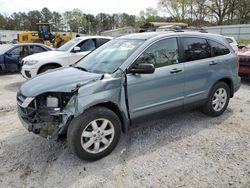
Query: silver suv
pixel 129 78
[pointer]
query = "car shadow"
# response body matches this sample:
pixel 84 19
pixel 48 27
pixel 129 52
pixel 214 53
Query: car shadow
pixel 245 80
pixel 48 158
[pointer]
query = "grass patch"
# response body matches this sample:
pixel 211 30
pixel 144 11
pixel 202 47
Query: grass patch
pixel 243 42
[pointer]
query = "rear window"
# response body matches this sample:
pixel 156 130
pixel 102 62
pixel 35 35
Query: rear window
pixel 218 49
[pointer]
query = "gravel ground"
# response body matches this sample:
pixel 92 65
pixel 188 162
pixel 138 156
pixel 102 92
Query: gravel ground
pixel 187 149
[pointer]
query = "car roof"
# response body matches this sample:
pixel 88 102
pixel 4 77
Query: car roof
pixel 29 44
pixel 149 35
pixel 93 36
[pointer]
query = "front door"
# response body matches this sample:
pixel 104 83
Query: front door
pixel 150 93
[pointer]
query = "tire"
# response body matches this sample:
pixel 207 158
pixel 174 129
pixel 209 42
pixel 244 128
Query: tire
pixel 83 136
pixel 218 100
pixel 46 68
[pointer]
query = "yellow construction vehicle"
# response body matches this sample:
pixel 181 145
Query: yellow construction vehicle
pixel 44 35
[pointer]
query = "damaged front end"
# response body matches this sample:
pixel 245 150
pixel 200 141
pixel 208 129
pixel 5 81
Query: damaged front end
pixel 47 114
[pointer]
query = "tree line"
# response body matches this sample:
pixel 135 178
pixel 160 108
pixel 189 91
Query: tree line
pixel 194 12
pixel 74 20
pixel 207 12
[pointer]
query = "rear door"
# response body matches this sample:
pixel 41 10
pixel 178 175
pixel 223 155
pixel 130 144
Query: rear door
pixel 196 57
pixel 150 93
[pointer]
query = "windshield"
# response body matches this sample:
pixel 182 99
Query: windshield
pixel 110 56
pixel 5 47
pixel 68 45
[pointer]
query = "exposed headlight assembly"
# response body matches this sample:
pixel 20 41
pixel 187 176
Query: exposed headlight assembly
pixel 31 62
pixel 52 101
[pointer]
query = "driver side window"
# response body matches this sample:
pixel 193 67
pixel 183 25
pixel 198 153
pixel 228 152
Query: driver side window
pixel 161 53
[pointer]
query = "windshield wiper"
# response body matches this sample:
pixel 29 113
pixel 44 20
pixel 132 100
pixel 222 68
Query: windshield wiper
pixel 80 68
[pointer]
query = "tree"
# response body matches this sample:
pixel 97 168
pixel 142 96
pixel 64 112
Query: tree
pixel 151 14
pixel 56 21
pixel 199 12
pixel 176 8
pixel 219 9
pixel 32 18
pixel 243 11
pixel 76 20
pixel 46 15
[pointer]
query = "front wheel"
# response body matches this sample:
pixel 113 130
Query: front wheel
pixel 218 100
pixel 94 134
pixel 47 68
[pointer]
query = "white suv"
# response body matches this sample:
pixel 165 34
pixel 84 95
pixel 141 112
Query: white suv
pixel 66 55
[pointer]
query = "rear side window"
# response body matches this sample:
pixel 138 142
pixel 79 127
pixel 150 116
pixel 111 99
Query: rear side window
pixel 87 45
pixel 36 49
pixel 102 41
pixel 195 48
pixel 218 49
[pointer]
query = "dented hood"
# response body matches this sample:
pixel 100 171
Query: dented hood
pixel 60 80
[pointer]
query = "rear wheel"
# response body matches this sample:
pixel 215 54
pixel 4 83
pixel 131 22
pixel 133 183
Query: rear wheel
pixel 94 134
pixel 218 100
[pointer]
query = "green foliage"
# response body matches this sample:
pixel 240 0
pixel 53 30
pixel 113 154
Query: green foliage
pixel 243 42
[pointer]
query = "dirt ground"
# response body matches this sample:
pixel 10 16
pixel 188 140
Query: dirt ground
pixel 187 149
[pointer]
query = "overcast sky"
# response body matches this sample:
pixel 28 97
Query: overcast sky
pixel 87 6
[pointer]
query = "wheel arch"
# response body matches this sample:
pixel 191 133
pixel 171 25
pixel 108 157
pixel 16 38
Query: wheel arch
pixel 57 65
pixel 229 82
pixel 113 107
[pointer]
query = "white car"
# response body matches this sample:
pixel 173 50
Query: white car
pixel 233 43
pixel 66 55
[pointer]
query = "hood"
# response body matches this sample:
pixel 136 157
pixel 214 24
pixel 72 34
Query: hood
pixel 44 55
pixel 60 80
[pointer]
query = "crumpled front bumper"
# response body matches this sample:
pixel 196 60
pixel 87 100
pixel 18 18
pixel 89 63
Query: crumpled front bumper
pixel 44 129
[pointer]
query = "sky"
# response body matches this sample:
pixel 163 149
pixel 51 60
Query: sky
pixel 87 6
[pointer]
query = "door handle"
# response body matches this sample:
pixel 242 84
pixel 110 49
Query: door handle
pixel 213 63
pixel 174 71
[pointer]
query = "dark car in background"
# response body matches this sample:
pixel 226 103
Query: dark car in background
pixel 11 54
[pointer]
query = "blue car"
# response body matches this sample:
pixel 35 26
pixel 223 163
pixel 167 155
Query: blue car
pixel 11 55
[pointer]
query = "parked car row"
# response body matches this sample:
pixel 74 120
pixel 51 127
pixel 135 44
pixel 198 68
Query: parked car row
pixel 128 79
pixel 11 54
pixel 13 57
pixel 66 55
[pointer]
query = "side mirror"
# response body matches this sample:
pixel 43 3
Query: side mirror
pixel 142 69
pixel 76 49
